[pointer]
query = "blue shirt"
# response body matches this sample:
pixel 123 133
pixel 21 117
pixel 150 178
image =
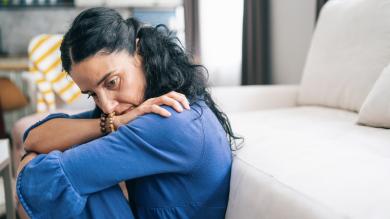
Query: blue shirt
pixel 175 167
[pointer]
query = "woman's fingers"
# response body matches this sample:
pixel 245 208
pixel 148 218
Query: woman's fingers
pixel 181 98
pixel 166 100
pixel 153 105
pixel 159 110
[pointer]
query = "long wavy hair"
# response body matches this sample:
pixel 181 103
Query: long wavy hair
pixel 166 65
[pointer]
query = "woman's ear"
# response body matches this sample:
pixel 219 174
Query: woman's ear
pixel 136 45
pixel 138 59
pixel 137 56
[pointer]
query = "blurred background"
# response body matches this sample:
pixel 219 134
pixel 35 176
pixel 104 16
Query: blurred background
pixel 240 42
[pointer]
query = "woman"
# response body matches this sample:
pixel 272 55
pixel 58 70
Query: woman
pixel 175 162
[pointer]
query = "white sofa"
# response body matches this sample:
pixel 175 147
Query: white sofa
pixel 305 156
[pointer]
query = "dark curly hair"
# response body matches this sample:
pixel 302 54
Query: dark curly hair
pixel 166 65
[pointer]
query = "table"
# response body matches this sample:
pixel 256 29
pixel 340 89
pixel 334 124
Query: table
pixel 14 64
pixel 5 171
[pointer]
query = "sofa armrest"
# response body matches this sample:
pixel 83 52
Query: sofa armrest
pixel 254 97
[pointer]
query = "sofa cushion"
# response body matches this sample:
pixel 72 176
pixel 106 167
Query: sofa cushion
pixel 309 162
pixel 376 108
pixel 349 49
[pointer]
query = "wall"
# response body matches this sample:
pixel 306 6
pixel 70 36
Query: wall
pixel 18 26
pixel 292 24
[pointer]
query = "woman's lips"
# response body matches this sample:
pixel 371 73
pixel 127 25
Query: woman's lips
pixel 128 110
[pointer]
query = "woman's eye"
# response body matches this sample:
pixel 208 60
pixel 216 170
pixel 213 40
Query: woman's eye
pixel 112 83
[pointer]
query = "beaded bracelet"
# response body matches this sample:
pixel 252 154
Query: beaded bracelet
pixel 107 123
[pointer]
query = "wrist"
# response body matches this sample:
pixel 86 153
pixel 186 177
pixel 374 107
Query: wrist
pixel 118 121
pixel 107 123
pixel 129 116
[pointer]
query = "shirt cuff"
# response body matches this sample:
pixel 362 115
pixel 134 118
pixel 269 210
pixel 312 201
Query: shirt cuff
pixel 45 191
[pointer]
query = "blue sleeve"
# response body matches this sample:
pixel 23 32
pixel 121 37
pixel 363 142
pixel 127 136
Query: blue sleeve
pixel 149 145
pixel 84 115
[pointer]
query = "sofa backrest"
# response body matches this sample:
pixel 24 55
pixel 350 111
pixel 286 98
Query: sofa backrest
pixel 349 49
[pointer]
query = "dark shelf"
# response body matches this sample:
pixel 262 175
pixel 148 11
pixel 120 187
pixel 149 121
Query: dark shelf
pixel 35 4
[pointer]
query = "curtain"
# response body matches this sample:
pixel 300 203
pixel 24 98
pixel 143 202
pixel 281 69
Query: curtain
pixel 191 22
pixel 319 5
pixel 256 66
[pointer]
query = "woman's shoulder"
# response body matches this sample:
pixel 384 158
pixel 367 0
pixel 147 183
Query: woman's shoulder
pixel 186 125
pixel 181 134
pixel 191 117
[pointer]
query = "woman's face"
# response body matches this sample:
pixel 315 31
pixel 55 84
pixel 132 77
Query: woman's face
pixel 116 81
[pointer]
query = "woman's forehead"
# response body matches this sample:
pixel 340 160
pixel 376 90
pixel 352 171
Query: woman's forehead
pixel 100 64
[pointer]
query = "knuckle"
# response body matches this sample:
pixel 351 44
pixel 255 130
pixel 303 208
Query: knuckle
pixel 165 98
pixel 142 109
pixel 182 96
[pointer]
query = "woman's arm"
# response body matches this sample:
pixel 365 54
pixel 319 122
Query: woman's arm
pixel 63 133
pixel 146 146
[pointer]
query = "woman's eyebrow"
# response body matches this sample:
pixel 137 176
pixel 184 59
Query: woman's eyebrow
pixel 100 81
pixel 104 77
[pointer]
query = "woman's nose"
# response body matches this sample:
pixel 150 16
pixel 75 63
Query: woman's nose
pixel 107 104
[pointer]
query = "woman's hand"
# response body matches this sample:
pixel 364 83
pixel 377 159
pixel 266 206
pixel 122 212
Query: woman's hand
pixel 153 105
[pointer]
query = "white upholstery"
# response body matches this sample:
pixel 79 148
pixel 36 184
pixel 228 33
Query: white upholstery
pixel 376 108
pixel 349 49
pixel 247 98
pixel 315 162
pixel 309 162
